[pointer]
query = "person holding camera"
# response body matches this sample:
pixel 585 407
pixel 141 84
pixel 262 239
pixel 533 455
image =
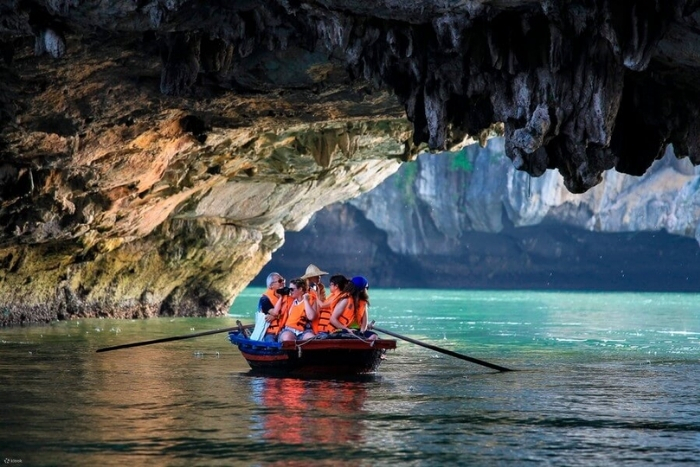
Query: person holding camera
pixel 301 313
pixel 272 302
pixel 312 276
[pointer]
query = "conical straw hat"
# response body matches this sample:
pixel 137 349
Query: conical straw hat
pixel 312 271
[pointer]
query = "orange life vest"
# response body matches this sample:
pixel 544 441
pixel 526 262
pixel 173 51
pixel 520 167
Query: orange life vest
pixel 347 317
pixel 313 294
pixel 296 318
pixel 360 312
pixel 322 323
pixel 351 316
pixel 277 323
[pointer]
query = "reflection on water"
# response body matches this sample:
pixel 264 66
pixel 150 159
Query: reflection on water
pixel 318 416
pixel 609 382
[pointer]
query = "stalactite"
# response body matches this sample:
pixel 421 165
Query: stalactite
pixel 216 55
pixel 180 64
pixel 51 42
pixel 452 69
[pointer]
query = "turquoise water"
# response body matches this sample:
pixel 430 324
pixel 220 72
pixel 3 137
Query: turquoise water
pixel 604 379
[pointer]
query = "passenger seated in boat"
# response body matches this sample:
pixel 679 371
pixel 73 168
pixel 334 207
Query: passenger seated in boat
pixel 322 324
pixel 351 313
pixel 272 303
pixel 312 276
pixel 301 313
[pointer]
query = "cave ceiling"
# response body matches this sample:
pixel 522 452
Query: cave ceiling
pixel 124 119
pixel 582 86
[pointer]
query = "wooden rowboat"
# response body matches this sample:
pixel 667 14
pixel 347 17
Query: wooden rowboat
pixel 330 356
pixel 336 356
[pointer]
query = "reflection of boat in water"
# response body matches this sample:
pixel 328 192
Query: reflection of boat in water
pixel 343 356
pixel 327 413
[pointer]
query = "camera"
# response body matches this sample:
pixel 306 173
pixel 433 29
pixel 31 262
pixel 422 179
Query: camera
pixel 314 287
pixel 284 291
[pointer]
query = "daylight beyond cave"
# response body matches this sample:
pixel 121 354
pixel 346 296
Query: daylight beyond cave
pixel 417 229
pixel 155 153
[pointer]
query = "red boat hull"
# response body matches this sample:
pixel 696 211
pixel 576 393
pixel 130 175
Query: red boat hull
pixel 340 356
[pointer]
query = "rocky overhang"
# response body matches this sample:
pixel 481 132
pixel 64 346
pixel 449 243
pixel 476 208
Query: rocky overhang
pixel 154 152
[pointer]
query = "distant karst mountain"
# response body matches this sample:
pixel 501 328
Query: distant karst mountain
pixel 154 153
pixel 468 219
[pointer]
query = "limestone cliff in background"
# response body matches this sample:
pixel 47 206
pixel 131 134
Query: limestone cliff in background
pixel 469 219
pixel 153 153
pixel 479 190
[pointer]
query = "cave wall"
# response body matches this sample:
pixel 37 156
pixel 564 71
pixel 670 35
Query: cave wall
pixel 154 153
pixel 579 87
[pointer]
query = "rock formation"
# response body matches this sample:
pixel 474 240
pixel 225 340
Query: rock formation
pixel 478 190
pixel 154 152
pixel 470 220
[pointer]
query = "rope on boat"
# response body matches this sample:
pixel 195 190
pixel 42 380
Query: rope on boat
pixel 300 344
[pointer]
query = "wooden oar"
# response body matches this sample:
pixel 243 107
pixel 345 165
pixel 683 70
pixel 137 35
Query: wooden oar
pixel 170 339
pixel 441 350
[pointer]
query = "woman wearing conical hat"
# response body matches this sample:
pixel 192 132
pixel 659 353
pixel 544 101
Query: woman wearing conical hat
pixel 313 281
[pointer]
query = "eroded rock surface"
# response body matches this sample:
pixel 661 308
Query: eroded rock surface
pixel 154 152
pixel 470 220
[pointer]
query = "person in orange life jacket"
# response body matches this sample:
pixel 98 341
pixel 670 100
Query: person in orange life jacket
pixel 315 288
pixel 313 282
pixel 321 325
pixel 301 313
pixel 352 312
pixel 271 303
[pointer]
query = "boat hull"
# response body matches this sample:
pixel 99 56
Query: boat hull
pixel 337 356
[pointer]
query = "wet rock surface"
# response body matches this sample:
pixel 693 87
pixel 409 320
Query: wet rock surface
pixel 154 152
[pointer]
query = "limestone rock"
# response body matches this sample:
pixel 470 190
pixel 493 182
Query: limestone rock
pixel 443 197
pixel 470 220
pixel 154 152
